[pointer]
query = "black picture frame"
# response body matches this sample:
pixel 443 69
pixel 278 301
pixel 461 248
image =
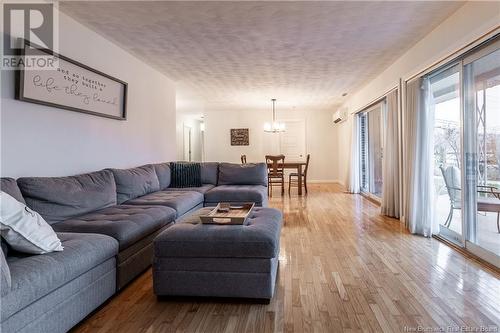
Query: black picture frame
pixel 20 77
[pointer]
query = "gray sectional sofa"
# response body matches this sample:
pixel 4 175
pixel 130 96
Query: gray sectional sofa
pixel 107 221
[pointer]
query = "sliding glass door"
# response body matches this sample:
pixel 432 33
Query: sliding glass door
pixel 445 103
pixel 371 124
pixel 482 151
pixel 464 99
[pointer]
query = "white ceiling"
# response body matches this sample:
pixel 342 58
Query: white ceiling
pixel 241 54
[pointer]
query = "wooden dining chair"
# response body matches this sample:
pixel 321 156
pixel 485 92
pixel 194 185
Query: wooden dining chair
pixel 275 173
pixel 293 178
pixel 243 159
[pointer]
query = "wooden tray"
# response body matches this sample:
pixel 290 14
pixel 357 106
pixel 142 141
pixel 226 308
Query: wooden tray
pixel 237 214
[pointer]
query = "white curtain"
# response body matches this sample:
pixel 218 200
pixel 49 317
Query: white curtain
pixel 354 183
pixel 390 186
pixel 418 124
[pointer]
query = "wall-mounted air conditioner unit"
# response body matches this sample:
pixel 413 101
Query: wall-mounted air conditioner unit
pixel 340 116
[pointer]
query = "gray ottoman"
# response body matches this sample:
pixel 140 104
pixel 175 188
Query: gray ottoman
pixel 240 261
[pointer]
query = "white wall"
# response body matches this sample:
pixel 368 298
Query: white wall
pixel 320 138
pixel 467 24
pixel 44 141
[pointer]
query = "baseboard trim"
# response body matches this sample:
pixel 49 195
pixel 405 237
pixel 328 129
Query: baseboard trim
pixel 324 181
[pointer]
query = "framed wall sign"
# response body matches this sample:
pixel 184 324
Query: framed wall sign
pixel 71 86
pixel 239 137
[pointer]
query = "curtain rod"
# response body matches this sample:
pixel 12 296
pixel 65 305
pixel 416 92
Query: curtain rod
pixel 376 100
pixel 476 42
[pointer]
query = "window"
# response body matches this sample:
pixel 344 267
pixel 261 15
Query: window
pixel 371 126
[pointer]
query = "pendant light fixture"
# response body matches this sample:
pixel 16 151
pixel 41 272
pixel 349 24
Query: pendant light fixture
pixel 275 126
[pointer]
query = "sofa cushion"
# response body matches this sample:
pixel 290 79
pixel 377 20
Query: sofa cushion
pixel 181 201
pixel 242 174
pixel 9 186
pixel 127 224
pixel 59 198
pixel 237 194
pixel 135 182
pixel 209 172
pixel 163 173
pixel 5 279
pixel 34 276
pixel 202 189
pixel 258 238
pixel 185 174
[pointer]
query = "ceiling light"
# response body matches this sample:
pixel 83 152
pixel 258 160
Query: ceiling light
pixel 275 126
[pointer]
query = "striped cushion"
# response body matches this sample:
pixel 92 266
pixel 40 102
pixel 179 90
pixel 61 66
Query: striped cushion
pixel 185 174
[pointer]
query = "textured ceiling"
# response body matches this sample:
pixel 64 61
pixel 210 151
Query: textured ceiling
pixel 241 54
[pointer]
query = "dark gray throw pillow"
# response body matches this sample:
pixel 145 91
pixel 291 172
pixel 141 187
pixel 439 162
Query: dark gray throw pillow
pixel 185 174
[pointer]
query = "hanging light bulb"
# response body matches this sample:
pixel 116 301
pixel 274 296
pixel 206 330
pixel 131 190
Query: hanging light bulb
pixel 275 126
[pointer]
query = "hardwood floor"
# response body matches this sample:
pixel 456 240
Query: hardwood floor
pixel 343 268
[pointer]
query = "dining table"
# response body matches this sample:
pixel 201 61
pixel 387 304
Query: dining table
pixel 297 165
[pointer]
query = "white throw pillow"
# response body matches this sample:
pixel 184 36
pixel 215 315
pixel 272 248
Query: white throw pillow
pixel 25 230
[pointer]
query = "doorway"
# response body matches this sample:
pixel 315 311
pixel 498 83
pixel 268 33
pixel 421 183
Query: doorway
pixel 293 140
pixel 187 143
pixel 371 134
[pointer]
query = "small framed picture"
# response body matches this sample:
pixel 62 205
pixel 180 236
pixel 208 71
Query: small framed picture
pixel 240 137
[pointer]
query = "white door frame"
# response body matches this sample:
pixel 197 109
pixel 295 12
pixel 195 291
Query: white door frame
pixel 295 120
pixel 188 130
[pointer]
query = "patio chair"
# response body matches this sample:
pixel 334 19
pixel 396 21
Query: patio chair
pixel 452 181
